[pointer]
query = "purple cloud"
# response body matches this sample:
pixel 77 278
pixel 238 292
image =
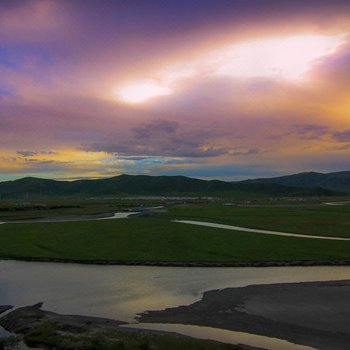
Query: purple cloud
pixel 342 136
pixel 33 153
pixel 165 138
pixel 311 131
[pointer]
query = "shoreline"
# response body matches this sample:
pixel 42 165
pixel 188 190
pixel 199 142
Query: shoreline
pixel 276 263
pixel 270 310
pixel 313 314
pixel 51 330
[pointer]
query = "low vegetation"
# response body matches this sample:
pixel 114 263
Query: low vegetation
pixel 42 208
pixel 306 219
pixel 10 343
pixel 157 239
pixel 53 336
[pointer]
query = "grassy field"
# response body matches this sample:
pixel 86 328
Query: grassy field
pixel 314 220
pixel 158 239
pixel 21 210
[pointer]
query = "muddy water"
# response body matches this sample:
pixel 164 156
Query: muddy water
pixel 120 292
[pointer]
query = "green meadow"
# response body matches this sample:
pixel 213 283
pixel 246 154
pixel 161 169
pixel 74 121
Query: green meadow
pixel 41 208
pixel 158 239
pixel 305 219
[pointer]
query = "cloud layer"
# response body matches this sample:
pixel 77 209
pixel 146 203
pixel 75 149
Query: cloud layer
pixel 234 107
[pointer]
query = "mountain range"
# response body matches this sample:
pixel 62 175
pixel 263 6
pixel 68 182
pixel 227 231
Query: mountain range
pixel 336 181
pixel 306 184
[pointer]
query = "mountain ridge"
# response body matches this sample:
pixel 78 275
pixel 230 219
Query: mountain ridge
pixel 336 181
pixel 150 185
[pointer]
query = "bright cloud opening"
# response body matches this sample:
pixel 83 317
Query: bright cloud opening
pixel 139 92
pixel 286 58
pixel 280 57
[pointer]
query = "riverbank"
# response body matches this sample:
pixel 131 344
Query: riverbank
pixel 50 330
pixel 315 314
pixel 122 292
pixel 4 308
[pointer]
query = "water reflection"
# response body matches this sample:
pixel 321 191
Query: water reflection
pixel 121 292
pixel 225 336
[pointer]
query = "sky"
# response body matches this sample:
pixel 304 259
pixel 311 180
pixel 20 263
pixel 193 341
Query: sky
pixel 225 89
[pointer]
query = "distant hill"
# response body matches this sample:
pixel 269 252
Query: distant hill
pixel 337 181
pixel 149 185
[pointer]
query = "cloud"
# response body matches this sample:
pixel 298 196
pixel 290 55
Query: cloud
pixel 61 61
pixel 228 171
pixel 311 131
pixel 244 152
pixel 33 153
pixel 342 136
pixel 156 128
pixel 174 139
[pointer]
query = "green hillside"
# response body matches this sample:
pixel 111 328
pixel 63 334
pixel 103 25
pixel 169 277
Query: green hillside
pixel 337 181
pixel 149 185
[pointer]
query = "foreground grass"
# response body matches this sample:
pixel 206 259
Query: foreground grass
pixel 158 239
pixel 313 220
pixel 52 336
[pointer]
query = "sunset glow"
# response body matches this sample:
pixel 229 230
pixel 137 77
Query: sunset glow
pixel 227 89
pixel 283 58
pixel 142 91
pixel 276 58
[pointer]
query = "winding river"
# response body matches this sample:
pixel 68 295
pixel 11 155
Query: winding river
pixel 121 292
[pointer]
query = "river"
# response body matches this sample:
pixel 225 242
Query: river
pixel 121 292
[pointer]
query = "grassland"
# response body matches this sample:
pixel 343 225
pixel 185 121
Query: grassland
pixel 157 238
pixel 22 210
pixel 306 219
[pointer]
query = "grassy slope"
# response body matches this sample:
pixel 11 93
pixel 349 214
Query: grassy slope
pixel 157 239
pixel 316 220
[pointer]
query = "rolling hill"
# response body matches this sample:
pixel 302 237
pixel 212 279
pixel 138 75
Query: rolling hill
pixel 336 181
pixel 149 185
